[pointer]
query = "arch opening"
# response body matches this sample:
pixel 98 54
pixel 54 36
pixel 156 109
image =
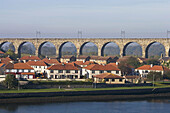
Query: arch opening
pixel 26 48
pixel 47 49
pixel 110 49
pixel 5 46
pixel 89 49
pixel 132 49
pixel 67 48
pixel 154 50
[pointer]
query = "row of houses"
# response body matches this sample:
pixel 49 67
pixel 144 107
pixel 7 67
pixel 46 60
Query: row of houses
pixel 30 67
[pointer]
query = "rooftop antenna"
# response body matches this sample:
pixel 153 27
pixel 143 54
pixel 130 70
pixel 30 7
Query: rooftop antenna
pixel 38 34
pixel 79 34
pixel 122 34
pixel 168 32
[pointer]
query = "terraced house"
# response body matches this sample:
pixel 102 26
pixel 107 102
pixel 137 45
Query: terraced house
pixel 95 69
pixel 63 71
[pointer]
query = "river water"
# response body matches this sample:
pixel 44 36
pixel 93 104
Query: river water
pixel 142 106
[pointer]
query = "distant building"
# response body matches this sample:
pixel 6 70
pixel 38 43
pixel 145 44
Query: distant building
pixel 20 70
pixel 102 60
pixel 83 58
pixel 108 78
pixel 63 71
pixel 39 66
pixel 29 58
pixel 95 69
pixel 68 58
pixel 145 69
pixel 1 53
pixel 50 61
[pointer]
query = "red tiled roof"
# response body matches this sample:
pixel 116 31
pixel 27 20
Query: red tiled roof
pixel 78 62
pixel 50 61
pixel 108 75
pixel 2 52
pixel 30 58
pixel 22 66
pixel 155 67
pixel 5 60
pixel 101 67
pixel 131 77
pixel 36 63
pixel 18 66
pixel 113 64
pixel 2 64
pixel 62 66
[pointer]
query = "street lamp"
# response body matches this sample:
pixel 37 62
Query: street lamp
pixel 153 79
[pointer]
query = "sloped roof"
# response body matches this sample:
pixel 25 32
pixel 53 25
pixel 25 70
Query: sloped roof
pixel 155 67
pixel 108 76
pixel 5 60
pixel 1 52
pixel 30 58
pixel 101 67
pixel 36 63
pixel 50 61
pixel 2 64
pixel 18 66
pixel 63 66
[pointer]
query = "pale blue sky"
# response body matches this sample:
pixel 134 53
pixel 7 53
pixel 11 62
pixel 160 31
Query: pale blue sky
pixel 90 16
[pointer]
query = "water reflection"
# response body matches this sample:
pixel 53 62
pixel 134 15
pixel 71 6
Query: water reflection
pixel 139 106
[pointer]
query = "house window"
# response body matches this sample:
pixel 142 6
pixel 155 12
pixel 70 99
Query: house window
pixel 107 79
pixel 120 80
pixel 101 71
pixel 29 70
pixel 93 71
pixel 60 71
pixel 67 71
pixel 51 76
pixel 146 71
pixel 117 72
pixel 76 71
pixel 113 80
pixel 52 71
pixel 109 71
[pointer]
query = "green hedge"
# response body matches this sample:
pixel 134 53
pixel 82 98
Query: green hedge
pixel 37 82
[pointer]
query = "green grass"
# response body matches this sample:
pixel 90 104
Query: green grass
pixel 78 89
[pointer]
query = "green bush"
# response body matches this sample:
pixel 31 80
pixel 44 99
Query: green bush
pixel 10 81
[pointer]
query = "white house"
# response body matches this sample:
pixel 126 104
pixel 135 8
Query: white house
pixel 63 71
pixel 20 70
pixel 95 69
pixel 39 66
pixel 145 69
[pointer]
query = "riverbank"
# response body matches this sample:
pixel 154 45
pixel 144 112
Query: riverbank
pixel 102 94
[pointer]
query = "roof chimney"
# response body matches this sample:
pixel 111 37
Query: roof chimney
pixel 117 63
pixel 30 55
pixel 8 56
pixel 151 65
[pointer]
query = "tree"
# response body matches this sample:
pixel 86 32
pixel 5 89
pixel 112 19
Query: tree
pixel 125 68
pixel 10 81
pixel 11 53
pixel 157 76
pixel 133 62
pixel 167 75
pixel 152 61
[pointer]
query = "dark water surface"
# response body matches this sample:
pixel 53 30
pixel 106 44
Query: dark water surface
pixel 144 106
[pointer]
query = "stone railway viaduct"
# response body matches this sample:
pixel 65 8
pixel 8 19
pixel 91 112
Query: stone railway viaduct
pixel 79 43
